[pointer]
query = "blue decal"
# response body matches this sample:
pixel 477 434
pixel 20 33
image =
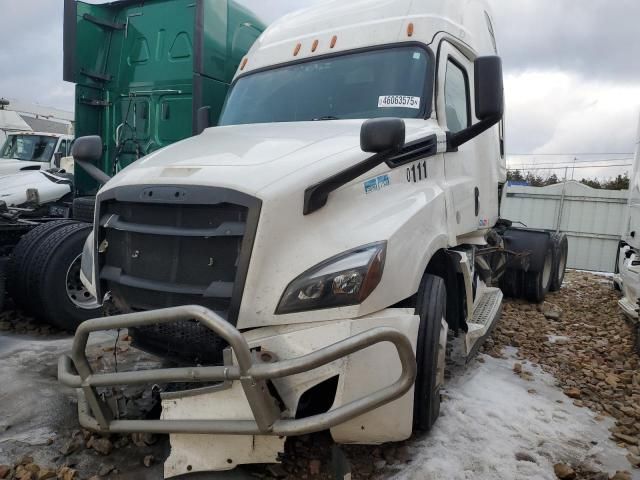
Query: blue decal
pixel 376 184
pixel 370 186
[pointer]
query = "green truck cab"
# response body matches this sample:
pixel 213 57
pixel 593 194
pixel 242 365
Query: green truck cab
pixel 147 74
pixel 144 71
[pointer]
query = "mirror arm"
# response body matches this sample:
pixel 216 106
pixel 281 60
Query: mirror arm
pixel 315 197
pixel 454 140
pixel 93 171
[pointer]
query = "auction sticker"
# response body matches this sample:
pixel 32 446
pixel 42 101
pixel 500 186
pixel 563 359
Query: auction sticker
pixel 398 101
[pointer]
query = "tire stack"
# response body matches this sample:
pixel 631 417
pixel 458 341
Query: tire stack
pixel 43 274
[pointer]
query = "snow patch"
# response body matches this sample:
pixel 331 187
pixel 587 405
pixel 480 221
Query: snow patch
pixel 560 339
pixel 488 416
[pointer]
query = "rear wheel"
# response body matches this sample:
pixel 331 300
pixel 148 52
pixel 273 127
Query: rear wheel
pixel 17 282
pixel 511 283
pixel 430 351
pixel 55 289
pixel 536 284
pixel 560 253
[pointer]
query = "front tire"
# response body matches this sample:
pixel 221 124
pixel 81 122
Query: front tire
pixel 430 352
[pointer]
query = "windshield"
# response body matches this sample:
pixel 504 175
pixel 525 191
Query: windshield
pixel 389 82
pixel 33 148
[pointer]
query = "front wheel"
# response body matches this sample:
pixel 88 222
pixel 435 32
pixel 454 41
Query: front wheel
pixel 430 352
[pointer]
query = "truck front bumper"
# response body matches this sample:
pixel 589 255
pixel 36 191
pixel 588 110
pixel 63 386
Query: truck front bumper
pixel 251 370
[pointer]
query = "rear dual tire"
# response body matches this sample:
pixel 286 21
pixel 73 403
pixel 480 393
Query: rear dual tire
pixel 45 274
pixel 560 246
pixel 536 284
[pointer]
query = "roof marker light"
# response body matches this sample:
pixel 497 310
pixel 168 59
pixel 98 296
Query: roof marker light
pixel 296 50
pixel 244 63
pixel 315 46
pixel 334 40
pixel 410 30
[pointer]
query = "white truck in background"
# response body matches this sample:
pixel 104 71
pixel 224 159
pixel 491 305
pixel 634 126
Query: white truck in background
pixel 306 259
pixel 26 151
pixel 36 169
pixel 627 268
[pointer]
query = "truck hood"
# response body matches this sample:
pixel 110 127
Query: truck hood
pixel 50 187
pixel 242 145
pixel 10 165
pixel 252 157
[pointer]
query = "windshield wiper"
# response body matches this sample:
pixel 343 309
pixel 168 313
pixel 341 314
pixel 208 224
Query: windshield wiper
pixel 326 117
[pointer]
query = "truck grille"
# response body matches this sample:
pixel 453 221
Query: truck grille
pixel 166 246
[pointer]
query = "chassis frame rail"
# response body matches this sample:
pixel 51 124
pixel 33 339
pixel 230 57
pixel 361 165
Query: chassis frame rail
pixel 250 371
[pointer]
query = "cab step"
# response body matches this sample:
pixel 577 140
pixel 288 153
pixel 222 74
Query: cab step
pixel 486 312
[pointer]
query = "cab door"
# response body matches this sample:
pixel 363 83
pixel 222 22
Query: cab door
pixel 471 171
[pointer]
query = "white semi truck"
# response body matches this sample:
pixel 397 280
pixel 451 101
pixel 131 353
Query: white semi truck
pixel 307 259
pixel 26 151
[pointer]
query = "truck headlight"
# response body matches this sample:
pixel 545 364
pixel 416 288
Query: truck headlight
pixel 346 279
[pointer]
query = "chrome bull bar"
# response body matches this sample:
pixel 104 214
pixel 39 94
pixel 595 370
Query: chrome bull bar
pixel 96 415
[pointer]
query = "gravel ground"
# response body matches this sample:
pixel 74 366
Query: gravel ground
pixel 559 399
pixel 581 338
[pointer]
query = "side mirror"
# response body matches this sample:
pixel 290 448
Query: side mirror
pixel 489 100
pixel 56 159
pixel 87 153
pixel 87 149
pixel 203 119
pixel 489 88
pixel 382 135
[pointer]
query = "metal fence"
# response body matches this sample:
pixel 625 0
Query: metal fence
pixel 591 218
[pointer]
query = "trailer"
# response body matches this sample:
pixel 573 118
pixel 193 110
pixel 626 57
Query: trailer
pixel 147 74
pixel 303 264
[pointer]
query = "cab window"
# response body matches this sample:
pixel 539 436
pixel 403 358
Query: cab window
pixel 456 94
pixel 63 148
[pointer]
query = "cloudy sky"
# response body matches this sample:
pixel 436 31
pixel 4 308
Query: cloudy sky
pixel 572 72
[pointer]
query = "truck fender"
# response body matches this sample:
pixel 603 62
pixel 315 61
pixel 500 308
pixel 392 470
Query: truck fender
pixel 533 242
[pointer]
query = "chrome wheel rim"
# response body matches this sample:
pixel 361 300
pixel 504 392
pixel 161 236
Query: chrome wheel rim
pixel 76 291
